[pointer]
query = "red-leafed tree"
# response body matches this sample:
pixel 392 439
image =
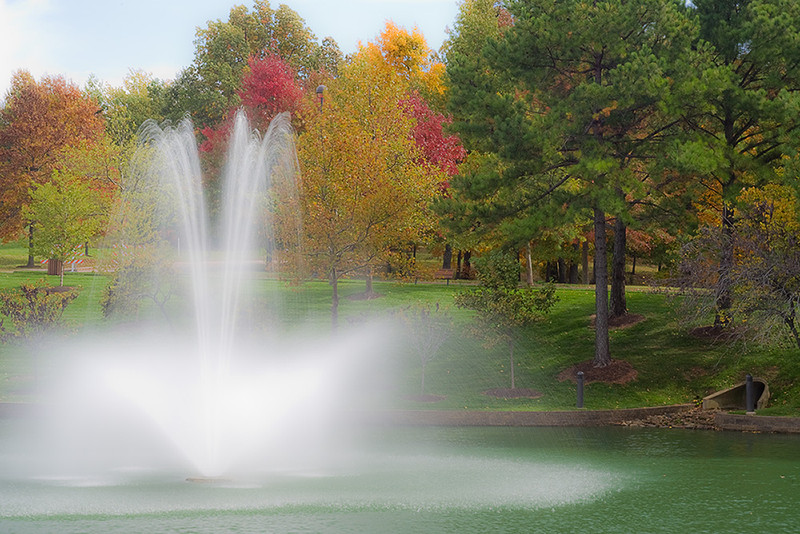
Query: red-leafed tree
pixel 270 87
pixel 438 148
pixel 39 122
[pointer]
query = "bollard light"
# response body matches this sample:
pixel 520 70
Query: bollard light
pixel 580 389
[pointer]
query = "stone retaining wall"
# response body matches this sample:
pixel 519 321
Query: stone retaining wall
pixel 476 418
pixel 757 423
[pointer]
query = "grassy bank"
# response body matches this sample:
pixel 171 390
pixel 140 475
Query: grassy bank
pixel 672 366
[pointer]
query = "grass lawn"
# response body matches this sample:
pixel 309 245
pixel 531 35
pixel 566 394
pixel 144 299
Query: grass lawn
pixel 672 366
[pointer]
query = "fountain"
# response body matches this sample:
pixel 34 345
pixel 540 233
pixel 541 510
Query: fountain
pixel 267 418
pixel 219 387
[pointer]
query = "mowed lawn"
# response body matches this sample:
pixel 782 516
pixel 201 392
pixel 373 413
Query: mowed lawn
pixel 672 366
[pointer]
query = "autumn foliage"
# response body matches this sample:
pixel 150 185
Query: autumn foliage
pixel 40 121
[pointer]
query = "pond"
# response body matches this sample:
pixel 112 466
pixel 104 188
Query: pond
pixel 440 480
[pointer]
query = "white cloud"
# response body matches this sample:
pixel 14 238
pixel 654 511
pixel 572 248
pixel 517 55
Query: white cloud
pixel 24 39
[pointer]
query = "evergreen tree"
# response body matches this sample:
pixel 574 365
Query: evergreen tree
pixel 577 98
pixel 746 107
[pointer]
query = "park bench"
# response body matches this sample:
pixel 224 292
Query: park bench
pixel 445 274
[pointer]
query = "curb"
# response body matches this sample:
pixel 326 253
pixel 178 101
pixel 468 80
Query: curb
pixel 760 423
pixel 563 419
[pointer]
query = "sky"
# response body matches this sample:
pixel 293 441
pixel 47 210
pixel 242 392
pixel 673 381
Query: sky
pixel 108 38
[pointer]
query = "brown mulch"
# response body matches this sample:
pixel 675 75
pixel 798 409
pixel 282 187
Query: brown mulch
pixel 617 372
pixel 696 418
pixel 513 393
pixel 713 332
pixel 621 321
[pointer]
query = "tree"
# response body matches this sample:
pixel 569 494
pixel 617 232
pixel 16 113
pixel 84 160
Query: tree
pixel 574 98
pixel 362 188
pixel 438 147
pixel 39 121
pixel 140 98
pixel 764 278
pixel 406 55
pixel 270 87
pixel 209 88
pixel 750 95
pixel 67 213
pixel 428 329
pixel 141 260
pixel 502 306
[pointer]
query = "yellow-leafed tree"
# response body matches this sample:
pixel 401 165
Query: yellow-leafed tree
pixel 364 186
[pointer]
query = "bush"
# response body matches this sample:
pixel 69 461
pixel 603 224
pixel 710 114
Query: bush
pixel 33 309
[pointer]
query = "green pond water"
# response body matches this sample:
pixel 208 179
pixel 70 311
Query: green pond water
pixel 459 480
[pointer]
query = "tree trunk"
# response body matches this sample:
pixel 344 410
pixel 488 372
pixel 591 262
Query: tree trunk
pixel 562 271
pixel 528 264
pixel 368 282
pixel 511 357
pixel 467 265
pixel 585 261
pixel 334 281
pixel 618 305
pixel 789 320
pixel 602 355
pixel 458 266
pixel 447 258
pixel 723 290
pixel 573 273
pixel 30 263
pixel 552 271
pixel 633 268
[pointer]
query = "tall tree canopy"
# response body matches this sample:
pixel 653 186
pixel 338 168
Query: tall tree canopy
pixel 406 54
pixel 39 121
pixel 572 98
pixel 363 188
pixel 210 87
pixel 746 114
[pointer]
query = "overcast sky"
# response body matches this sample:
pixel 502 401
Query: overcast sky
pixel 106 38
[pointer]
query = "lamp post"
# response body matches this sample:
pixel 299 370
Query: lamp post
pixel 321 95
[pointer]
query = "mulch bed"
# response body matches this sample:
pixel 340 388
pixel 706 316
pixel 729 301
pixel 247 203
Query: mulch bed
pixel 713 332
pixel 513 393
pixel 617 372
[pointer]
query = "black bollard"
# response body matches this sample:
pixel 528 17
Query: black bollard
pixel 580 389
pixel 749 394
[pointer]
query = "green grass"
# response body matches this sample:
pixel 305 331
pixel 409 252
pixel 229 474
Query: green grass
pixel 672 366
pixel 13 255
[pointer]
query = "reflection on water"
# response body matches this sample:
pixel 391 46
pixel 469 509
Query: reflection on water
pixel 448 480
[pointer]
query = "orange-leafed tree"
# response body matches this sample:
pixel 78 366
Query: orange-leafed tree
pixel 363 187
pixel 39 122
pixel 407 56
